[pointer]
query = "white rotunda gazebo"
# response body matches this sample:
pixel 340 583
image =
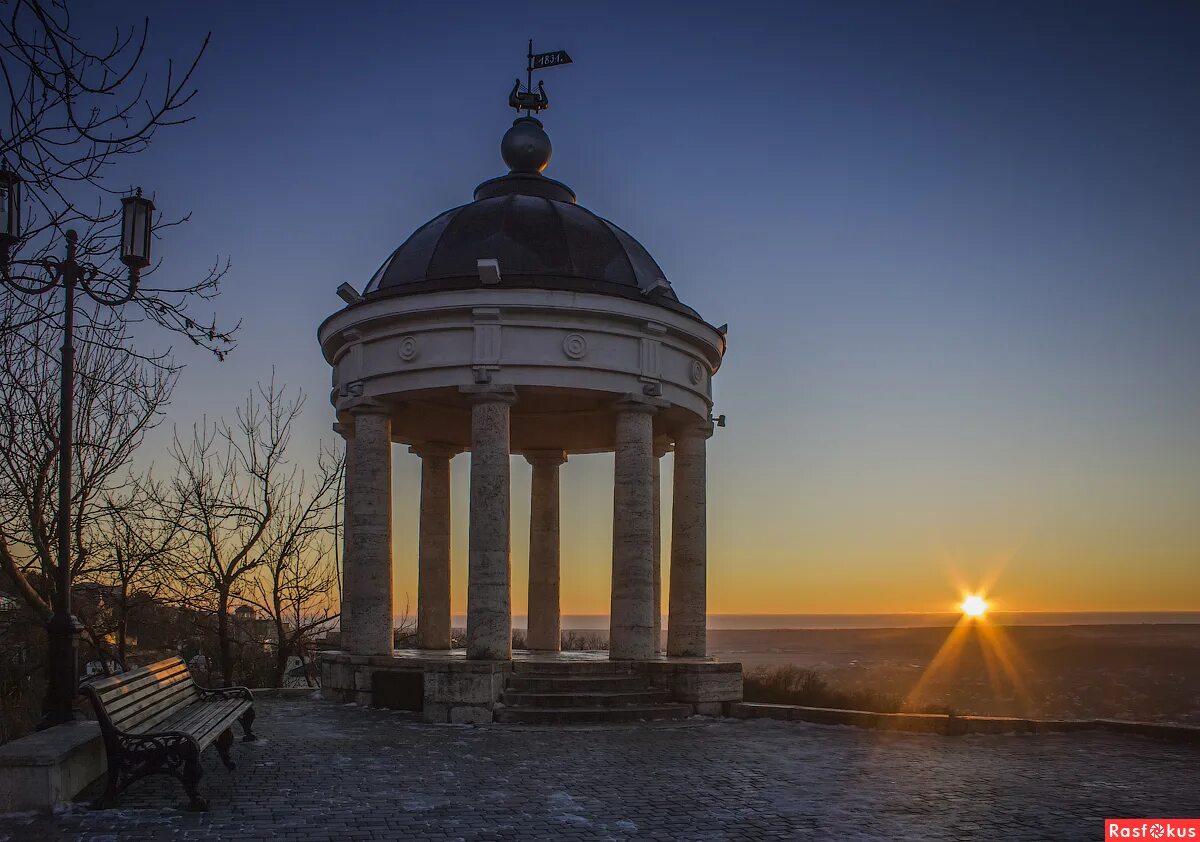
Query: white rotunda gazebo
pixel 520 323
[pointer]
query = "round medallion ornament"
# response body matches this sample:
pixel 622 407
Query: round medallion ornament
pixel 697 372
pixel 408 348
pixel 575 346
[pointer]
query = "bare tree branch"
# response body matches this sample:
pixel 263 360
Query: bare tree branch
pixel 76 113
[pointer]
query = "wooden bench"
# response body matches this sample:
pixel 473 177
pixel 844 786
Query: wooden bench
pixel 156 720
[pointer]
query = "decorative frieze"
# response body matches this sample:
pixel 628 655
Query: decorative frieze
pixel 548 338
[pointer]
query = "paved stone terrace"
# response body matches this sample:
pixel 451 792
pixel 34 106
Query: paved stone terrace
pixel 324 771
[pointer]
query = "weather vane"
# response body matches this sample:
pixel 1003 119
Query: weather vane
pixel 529 100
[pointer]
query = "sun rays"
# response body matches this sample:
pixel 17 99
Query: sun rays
pixel 1001 659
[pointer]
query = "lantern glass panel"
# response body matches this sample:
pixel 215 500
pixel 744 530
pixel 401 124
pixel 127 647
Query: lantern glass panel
pixel 135 236
pixel 10 206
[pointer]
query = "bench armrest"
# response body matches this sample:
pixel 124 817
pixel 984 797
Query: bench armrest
pixel 237 692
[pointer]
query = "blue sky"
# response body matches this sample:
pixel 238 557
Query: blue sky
pixel 956 245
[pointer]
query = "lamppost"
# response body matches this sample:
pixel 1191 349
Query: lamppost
pixel 73 276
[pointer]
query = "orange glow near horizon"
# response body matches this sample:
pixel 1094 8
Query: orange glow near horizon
pixel 784 554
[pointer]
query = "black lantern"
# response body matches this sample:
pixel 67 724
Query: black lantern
pixel 10 208
pixel 136 230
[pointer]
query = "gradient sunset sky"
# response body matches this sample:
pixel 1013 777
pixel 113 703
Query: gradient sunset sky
pixel 957 246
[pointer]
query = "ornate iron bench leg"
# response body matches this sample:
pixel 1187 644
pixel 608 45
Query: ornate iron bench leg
pixel 191 778
pixel 223 743
pixel 247 721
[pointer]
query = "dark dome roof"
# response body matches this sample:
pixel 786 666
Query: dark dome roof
pixel 532 227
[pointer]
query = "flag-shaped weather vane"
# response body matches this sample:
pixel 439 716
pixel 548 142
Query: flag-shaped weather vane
pixel 529 100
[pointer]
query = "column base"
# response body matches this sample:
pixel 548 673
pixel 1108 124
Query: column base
pixel 447 687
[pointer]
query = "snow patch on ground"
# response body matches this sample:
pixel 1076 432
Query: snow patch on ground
pixel 418 802
pixel 564 807
pixel 571 818
pixel 563 801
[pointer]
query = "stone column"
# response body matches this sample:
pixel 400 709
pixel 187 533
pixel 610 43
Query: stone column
pixel 687 622
pixel 346 617
pixel 433 554
pixel 545 628
pixel 661 449
pixel 489 570
pixel 631 620
pixel 369 533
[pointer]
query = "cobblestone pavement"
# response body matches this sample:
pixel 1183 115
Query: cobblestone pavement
pixel 323 771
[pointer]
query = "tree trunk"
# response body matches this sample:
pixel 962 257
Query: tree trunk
pixel 281 652
pixel 122 623
pixel 223 642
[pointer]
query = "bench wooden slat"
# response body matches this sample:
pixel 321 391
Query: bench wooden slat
pixel 146 698
pixel 138 682
pixel 195 718
pixel 103 685
pixel 158 707
pixel 118 698
pixel 208 725
pixel 144 690
pixel 205 721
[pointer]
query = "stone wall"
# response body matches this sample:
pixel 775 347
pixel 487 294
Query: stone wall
pixel 455 690
pixel 708 686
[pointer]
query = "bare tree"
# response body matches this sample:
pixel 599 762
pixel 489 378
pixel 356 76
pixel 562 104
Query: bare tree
pixel 140 540
pixel 296 585
pixel 245 508
pixel 297 594
pixel 119 398
pixel 404 627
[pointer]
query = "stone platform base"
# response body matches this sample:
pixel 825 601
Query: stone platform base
pixel 447 687
pixel 47 768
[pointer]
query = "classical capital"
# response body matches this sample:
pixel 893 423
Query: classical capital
pixel 344 429
pixel 662 446
pixel 633 402
pixel 436 450
pixel 545 457
pixel 366 406
pixel 489 393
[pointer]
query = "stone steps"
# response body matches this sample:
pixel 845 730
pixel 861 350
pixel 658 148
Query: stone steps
pixel 591 715
pixel 573 668
pixel 583 692
pixel 575 683
pixel 585 699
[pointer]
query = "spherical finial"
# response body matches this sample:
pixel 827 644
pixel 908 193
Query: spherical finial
pixel 526 146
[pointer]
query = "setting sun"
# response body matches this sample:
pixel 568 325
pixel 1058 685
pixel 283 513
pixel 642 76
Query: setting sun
pixel 974 606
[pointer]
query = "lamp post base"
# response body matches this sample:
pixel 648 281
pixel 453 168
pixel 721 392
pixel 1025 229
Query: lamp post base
pixel 62 671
